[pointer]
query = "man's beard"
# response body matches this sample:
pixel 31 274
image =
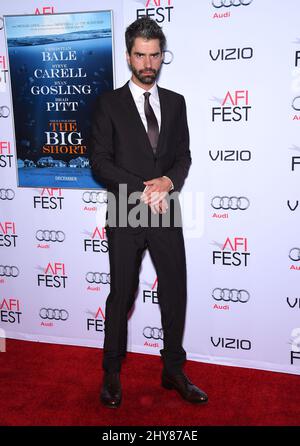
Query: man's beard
pixel 148 79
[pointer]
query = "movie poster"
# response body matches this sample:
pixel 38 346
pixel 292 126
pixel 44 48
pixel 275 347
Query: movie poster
pixel 58 63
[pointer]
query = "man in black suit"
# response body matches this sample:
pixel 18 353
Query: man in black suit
pixel 140 152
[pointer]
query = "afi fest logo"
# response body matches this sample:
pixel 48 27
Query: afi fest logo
pixel 150 294
pixel 53 276
pixel 8 234
pixel 44 10
pixel 97 322
pixel 234 252
pixel 96 241
pixel 3 73
pixel 10 310
pixel 158 10
pixel 48 198
pixel 234 107
pixel 5 154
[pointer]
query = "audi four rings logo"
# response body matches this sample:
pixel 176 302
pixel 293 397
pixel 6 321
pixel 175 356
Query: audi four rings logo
pixel 232 295
pixel 9 271
pixel 6 194
pixel 54 313
pixel 295 254
pixel 47 235
pixel 103 278
pixel 296 103
pixel 168 57
pixel 94 197
pixel 4 111
pixel 1 23
pixel 153 333
pixel 229 3
pixel 234 203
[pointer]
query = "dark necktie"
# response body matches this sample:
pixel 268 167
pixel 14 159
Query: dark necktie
pixel 152 124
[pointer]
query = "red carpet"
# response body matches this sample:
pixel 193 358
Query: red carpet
pixel 56 385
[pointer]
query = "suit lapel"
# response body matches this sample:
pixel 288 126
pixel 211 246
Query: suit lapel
pixel 164 117
pixel 135 119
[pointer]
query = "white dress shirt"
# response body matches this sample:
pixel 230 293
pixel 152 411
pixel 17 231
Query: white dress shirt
pixel 139 99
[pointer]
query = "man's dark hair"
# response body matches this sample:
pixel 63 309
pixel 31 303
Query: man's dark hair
pixel 147 29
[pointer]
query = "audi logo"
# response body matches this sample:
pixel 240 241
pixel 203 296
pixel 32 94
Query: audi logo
pixel 233 203
pixel 51 235
pixel 168 57
pixel 94 197
pixel 232 295
pixel 1 23
pixel 229 3
pixel 295 106
pixel 9 271
pixel 103 278
pixel 54 314
pixel 4 111
pixel 6 194
pixel 294 254
pixel 153 333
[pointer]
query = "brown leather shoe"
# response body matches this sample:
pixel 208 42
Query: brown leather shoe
pixel 184 387
pixel 111 392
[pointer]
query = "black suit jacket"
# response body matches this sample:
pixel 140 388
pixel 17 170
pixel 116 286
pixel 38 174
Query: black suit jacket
pixel 121 152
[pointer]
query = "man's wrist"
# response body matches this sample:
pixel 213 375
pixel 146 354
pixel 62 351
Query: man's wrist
pixel 171 183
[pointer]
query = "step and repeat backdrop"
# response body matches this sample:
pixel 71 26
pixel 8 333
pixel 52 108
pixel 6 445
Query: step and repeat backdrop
pixel 237 62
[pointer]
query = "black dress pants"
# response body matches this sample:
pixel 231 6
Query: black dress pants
pixel 167 251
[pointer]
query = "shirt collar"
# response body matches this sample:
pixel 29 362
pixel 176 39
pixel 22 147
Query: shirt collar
pixel 137 91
